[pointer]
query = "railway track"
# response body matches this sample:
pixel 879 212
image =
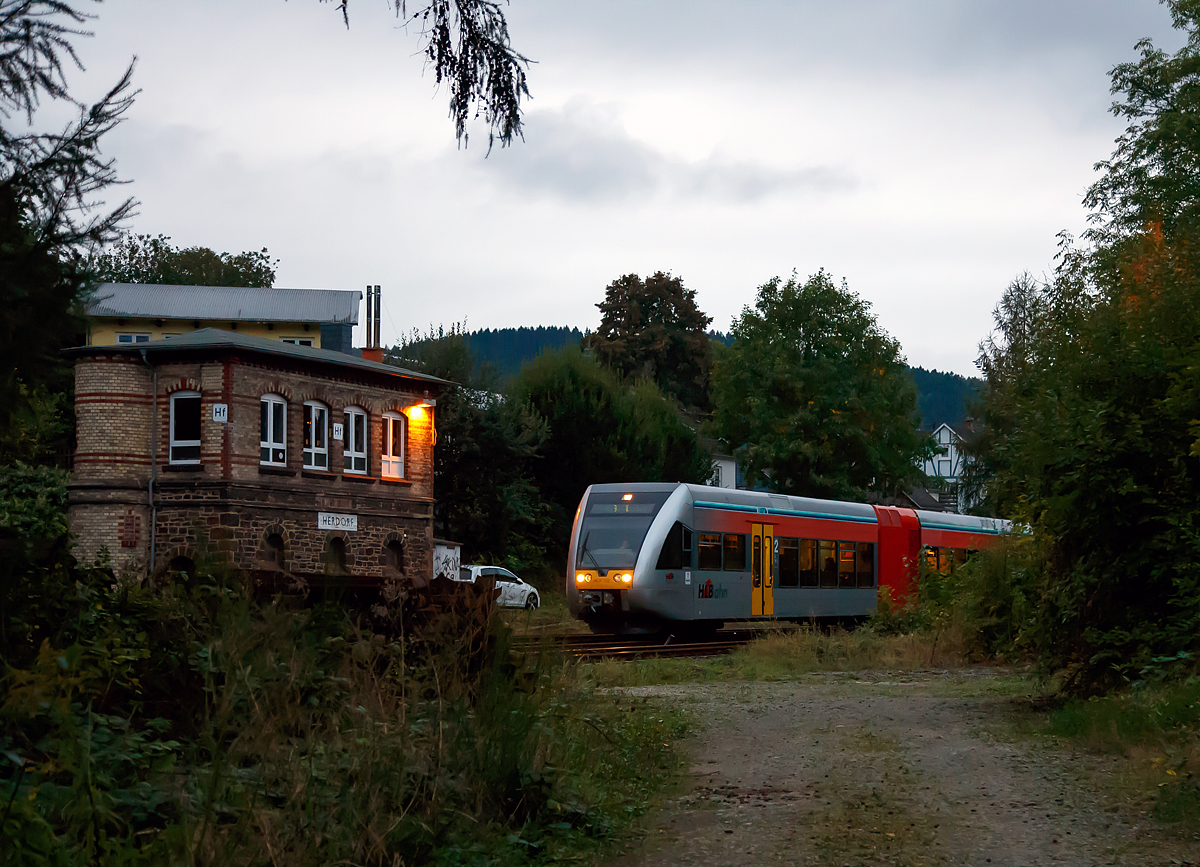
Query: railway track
pixel 592 648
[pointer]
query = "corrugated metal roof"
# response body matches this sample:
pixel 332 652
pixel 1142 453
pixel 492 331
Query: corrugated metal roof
pixel 218 339
pixel 224 303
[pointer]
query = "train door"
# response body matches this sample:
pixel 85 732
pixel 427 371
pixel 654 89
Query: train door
pixel 762 571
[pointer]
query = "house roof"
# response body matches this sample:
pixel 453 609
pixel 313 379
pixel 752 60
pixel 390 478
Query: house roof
pixel 217 339
pixel 231 303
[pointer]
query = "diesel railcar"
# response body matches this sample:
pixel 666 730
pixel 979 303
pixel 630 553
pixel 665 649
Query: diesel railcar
pixel 648 555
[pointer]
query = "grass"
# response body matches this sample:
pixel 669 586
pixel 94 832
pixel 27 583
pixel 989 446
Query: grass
pixel 552 617
pixel 1156 729
pixel 785 654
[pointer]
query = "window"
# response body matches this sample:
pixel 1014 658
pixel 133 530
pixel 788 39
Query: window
pixel 808 563
pixel 273 556
pixel 297 341
pixel 735 552
pixel 335 556
pixel 354 444
pixel 133 338
pixel 272 437
pixel 827 554
pixel 185 428
pixel 395 429
pixel 676 551
pixel 847 562
pixel 866 564
pixel 316 436
pixel 710 552
pixel 789 562
pixel 393 558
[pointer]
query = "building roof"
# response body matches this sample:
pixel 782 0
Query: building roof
pixel 217 339
pixel 231 303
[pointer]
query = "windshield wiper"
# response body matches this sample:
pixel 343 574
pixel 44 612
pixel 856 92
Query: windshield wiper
pixel 584 551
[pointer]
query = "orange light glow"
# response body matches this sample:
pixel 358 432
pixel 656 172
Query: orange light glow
pixel 416 411
pixel 627 497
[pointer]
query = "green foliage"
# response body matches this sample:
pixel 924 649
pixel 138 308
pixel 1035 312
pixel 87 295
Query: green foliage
pixel 146 259
pixel 188 723
pixel 507 349
pixel 654 330
pixel 485 497
pixel 814 397
pixel 943 398
pixel 601 430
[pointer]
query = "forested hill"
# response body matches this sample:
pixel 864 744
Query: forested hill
pixel 942 395
pixel 508 348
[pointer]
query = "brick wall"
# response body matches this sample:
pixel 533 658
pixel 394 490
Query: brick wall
pixel 228 504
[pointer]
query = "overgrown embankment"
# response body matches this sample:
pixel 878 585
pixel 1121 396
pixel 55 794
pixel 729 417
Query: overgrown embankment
pixel 192 722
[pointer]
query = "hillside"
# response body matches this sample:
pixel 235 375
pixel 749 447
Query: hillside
pixel 942 396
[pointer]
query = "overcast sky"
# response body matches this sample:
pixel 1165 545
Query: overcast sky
pixel 927 152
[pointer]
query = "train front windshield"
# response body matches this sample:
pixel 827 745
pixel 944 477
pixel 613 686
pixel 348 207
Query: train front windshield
pixel 614 526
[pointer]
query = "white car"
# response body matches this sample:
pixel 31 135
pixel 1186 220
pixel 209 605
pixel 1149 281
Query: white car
pixel 513 592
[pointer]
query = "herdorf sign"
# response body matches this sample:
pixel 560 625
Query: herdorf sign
pixel 330 521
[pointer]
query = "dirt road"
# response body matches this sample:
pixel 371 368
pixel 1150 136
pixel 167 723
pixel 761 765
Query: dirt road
pixel 912 769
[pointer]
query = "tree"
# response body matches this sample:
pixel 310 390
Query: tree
pixel 467 45
pixel 486 498
pixel 601 429
pixel 146 259
pixel 50 215
pixel 654 329
pixel 814 397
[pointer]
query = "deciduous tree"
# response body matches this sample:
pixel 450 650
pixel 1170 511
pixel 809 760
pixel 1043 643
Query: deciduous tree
pixel 814 397
pixel 654 329
pixel 146 259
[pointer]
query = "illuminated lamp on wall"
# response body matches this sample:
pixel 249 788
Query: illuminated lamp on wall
pixel 418 411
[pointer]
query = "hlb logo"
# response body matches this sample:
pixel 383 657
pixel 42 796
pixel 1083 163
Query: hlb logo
pixel 708 590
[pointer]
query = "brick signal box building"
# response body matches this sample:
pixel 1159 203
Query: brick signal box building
pixel 273 457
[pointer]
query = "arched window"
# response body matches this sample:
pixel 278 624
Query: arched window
pixel 354 446
pixel 395 435
pixel 335 556
pixel 273 553
pixel 185 428
pixel 272 430
pixel 393 557
pixel 316 436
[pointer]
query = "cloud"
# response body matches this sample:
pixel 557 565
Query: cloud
pixel 582 154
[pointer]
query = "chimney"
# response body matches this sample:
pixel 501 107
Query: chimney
pixel 372 351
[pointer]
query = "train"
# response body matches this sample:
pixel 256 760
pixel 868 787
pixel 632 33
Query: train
pixel 647 556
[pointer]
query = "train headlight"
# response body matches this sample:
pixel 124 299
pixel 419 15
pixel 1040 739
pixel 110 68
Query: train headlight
pixel 581 578
pixel 627 578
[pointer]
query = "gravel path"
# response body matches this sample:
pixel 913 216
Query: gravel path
pixel 871 768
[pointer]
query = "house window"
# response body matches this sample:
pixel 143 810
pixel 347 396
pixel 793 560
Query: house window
pixel 133 338
pixel 297 341
pixel 395 429
pixel 185 428
pixel 272 431
pixel 316 436
pixel 354 450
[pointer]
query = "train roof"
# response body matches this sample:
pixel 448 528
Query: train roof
pixel 781 504
pixel 962 523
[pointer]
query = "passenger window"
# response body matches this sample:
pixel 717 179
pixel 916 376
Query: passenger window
pixel 827 553
pixel 847 562
pixel 735 552
pixel 808 563
pixel 710 552
pixel 789 562
pixel 676 551
pixel 866 564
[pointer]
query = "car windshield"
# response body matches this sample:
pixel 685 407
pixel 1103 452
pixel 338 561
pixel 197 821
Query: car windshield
pixel 614 526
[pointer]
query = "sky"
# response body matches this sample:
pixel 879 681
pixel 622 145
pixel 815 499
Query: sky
pixel 926 152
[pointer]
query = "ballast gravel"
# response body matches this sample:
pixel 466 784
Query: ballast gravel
pixel 881 768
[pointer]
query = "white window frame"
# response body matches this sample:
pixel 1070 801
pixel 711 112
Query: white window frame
pixel 391 465
pixel 132 337
pixel 274 441
pixel 315 442
pixel 175 443
pixel 355 460
pixel 297 341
